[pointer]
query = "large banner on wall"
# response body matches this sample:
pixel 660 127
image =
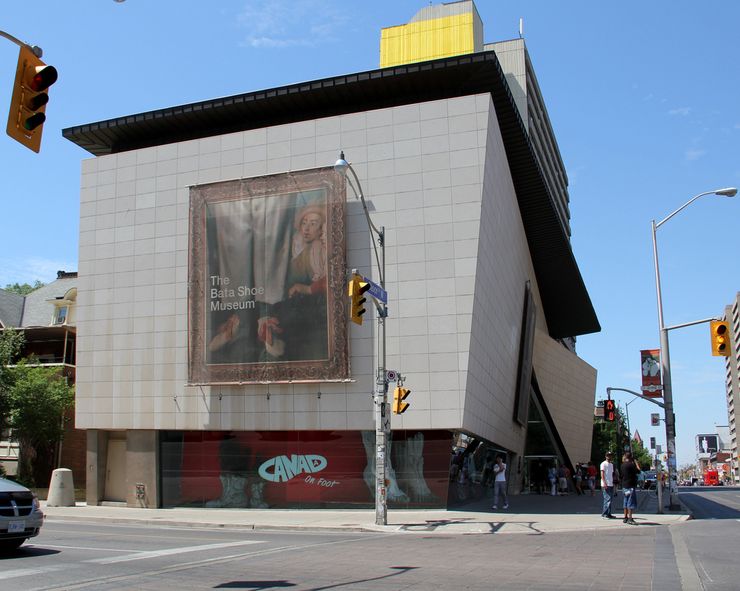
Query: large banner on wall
pixel 289 469
pixel 267 279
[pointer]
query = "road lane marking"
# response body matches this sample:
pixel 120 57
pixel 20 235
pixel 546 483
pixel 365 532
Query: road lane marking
pixel 145 575
pixel 95 549
pixel 170 552
pixel 30 572
pixel 690 578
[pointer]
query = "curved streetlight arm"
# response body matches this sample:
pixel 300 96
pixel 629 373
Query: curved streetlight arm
pixel 37 51
pixel 361 197
pixel 342 166
pixel 728 192
pixel 609 391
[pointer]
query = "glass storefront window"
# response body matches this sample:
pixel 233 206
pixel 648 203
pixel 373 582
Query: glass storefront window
pixel 300 469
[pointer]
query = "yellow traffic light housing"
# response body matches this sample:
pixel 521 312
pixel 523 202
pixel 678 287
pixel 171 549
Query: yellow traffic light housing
pixel 720 335
pixel 399 395
pixel 28 104
pixel 356 290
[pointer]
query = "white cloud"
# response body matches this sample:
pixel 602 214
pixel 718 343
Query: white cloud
pixel 31 270
pixel 692 154
pixel 682 111
pixel 283 23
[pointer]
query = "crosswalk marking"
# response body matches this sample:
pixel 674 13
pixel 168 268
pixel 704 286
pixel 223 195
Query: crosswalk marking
pixel 169 552
pixel 30 572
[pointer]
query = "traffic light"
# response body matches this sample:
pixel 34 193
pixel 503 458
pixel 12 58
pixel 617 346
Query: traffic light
pixel 720 334
pixel 28 104
pixel 610 411
pixel 399 395
pixel 356 291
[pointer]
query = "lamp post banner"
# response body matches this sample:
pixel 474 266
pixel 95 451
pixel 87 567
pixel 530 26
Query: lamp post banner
pixel 652 385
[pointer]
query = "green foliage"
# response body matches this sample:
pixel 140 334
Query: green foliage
pixel 609 437
pixel 642 455
pixel 38 398
pixel 23 289
pixel 615 437
pixel 687 471
pixel 11 343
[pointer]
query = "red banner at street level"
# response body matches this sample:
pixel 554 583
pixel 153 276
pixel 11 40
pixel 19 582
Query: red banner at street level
pixel 652 384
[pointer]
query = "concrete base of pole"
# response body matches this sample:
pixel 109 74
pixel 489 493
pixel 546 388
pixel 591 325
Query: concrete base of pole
pixel 61 489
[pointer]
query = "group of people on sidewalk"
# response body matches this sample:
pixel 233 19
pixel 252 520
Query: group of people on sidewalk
pixel 629 472
pixel 562 480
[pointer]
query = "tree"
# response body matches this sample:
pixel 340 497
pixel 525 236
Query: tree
pixel 23 289
pixel 609 436
pixel 687 472
pixel 11 343
pixel 642 455
pixel 38 398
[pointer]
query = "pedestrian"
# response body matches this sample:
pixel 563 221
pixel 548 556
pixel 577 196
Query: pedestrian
pixel 591 476
pixel 629 470
pixel 487 476
pixel 499 482
pixel 540 477
pixel 552 476
pixel 607 485
pixel 562 481
pixel 577 478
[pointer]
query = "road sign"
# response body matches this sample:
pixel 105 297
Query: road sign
pixel 376 291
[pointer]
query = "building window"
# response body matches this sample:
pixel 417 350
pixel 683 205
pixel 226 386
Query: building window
pixel 60 315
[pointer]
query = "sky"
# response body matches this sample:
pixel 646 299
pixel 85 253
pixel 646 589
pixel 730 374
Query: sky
pixel 643 98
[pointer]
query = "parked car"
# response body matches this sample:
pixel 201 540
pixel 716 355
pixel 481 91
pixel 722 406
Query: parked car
pixel 20 515
pixel 649 479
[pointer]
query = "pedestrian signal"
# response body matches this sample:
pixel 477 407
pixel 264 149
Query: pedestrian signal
pixel 28 103
pixel 610 411
pixel 399 395
pixel 654 419
pixel 356 290
pixel 720 335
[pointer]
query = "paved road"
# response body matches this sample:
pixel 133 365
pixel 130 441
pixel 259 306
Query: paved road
pixel 712 539
pixel 82 555
pixel 562 545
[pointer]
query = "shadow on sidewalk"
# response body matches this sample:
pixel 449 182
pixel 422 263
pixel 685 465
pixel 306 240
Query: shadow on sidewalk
pixel 572 504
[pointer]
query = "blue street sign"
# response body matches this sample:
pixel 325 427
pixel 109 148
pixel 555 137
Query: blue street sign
pixel 376 291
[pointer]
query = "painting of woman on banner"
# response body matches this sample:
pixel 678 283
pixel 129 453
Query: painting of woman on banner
pixel 267 257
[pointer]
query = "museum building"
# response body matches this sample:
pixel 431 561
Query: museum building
pixel 216 363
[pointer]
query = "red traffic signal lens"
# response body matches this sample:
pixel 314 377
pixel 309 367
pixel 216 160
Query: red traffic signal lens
pixel 721 329
pixel 45 76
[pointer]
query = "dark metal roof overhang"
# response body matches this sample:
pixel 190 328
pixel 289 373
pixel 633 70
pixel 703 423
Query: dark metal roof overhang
pixel 568 307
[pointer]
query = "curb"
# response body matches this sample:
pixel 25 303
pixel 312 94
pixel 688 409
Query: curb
pixel 407 528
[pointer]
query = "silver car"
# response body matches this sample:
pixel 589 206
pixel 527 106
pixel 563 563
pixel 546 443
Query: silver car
pixel 20 515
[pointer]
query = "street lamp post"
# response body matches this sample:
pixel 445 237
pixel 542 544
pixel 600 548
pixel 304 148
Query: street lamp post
pixel 629 429
pixel 665 363
pixel 382 408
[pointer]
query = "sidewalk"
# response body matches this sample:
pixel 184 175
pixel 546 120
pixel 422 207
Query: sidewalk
pixel 527 514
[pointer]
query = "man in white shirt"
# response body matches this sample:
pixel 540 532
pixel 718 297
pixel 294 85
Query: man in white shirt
pixel 607 485
pixel 499 482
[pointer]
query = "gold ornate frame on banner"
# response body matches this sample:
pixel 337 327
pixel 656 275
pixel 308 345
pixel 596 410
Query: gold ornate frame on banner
pixel 266 280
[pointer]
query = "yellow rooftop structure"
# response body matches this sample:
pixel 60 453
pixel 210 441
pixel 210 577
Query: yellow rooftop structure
pixel 438 31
